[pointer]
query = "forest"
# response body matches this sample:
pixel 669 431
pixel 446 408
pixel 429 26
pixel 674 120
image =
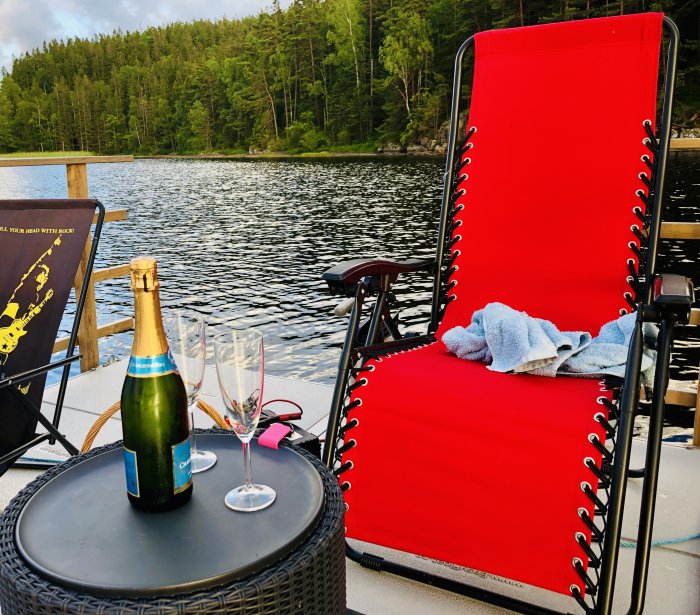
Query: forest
pixel 337 75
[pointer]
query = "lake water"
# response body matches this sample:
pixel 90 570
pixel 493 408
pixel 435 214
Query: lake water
pixel 244 242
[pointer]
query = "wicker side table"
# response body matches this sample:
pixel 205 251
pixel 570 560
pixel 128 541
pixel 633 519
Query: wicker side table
pixel 310 579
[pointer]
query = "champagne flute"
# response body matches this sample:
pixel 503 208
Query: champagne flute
pixel 186 337
pixel 239 367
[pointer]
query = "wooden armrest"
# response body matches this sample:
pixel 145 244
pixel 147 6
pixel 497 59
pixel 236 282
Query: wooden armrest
pixel 352 271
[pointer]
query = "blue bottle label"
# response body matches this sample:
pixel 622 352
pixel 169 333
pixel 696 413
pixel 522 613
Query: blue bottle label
pixel 146 367
pixel 132 474
pixel 182 466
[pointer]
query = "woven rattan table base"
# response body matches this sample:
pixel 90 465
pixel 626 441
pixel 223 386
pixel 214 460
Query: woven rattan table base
pixel 310 580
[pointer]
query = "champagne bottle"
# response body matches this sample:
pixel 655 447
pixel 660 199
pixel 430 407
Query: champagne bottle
pixel 154 406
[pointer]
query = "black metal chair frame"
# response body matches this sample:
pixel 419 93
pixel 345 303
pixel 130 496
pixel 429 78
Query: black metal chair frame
pixel 10 381
pixel 364 278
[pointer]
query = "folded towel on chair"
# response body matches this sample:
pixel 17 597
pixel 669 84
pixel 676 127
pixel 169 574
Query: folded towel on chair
pixel 512 341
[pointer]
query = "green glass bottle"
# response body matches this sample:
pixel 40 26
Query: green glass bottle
pixel 154 406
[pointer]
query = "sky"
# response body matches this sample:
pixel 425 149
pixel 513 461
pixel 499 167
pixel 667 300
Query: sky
pixel 26 24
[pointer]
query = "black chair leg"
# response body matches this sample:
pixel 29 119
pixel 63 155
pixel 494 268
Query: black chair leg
pixel 48 425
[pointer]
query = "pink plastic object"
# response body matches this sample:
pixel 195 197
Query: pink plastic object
pixel 273 435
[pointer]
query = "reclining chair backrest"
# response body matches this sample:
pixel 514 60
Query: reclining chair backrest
pixel 553 170
pixel 41 242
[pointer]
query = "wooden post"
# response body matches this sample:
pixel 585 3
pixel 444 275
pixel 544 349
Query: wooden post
pixel 87 333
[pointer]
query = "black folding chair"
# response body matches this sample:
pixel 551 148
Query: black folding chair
pixel 41 244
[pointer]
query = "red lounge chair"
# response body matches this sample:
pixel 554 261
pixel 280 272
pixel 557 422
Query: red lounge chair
pixel 551 205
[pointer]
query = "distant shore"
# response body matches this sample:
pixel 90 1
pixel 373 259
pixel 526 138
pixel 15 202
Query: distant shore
pixel 413 151
pixel 676 145
pixel 285 155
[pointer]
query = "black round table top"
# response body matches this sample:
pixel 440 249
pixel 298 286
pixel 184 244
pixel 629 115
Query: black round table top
pixel 79 529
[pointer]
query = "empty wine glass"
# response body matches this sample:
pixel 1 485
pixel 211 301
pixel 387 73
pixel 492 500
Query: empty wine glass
pixel 239 367
pixel 186 337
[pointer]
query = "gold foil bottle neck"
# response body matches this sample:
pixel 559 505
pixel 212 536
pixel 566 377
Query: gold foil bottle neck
pixel 149 336
pixel 144 274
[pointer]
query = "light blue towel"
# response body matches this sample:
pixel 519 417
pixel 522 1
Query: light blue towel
pixel 512 341
pixel 607 353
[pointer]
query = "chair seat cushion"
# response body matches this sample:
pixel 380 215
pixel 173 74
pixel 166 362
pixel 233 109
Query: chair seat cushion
pixel 476 468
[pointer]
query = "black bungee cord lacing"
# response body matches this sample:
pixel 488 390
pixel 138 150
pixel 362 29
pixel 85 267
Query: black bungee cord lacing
pixel 347 446
pixel 590 576
pixel 597 534
pixel 601 508
pixel 603 478
pixel 601 448
pixel 594 560
pixel 343 468
pixel 358 383
pixel 450 239
pixel 458 169
pixel 651 141
pixel 355 370
pixel 610 429
pixel 349 425
pixel 646 196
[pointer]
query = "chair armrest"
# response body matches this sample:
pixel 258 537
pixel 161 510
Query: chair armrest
pixel 350 272
pixel 674 294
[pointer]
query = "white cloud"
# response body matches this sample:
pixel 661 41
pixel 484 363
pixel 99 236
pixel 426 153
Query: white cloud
pixel 26 24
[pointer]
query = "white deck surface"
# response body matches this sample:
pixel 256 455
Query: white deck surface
pixel 674 585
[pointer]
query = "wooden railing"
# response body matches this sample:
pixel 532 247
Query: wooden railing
pixel 685 144
pixel 89 332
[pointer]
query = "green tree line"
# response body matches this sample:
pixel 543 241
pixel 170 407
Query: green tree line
pixel 319 74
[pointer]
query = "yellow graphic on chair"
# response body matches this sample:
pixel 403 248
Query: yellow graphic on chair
pixel 11 334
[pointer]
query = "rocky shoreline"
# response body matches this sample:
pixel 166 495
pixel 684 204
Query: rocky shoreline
pixel 425 148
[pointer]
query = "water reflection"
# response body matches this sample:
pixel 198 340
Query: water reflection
pixel 245 242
